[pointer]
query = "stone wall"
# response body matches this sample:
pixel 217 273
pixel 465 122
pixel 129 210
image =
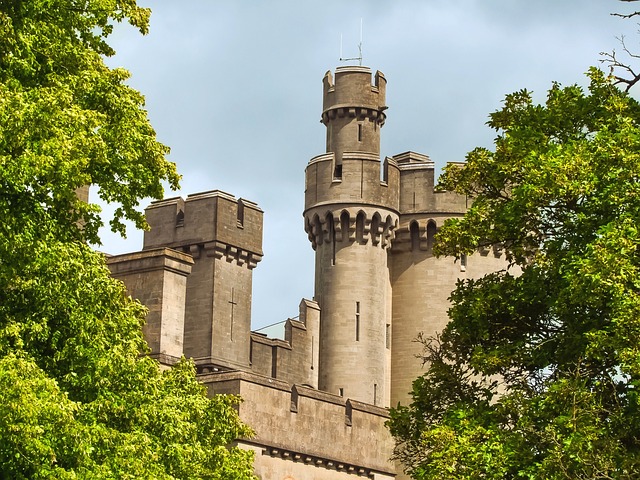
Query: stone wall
pixel 294 359
pixel 301 432
pixel 158 278
pixel 224 236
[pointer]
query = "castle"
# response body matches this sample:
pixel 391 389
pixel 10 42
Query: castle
pixel 318 398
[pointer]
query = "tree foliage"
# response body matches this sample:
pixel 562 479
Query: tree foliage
pixel 67 120
pixel 77 400
pixel 537 373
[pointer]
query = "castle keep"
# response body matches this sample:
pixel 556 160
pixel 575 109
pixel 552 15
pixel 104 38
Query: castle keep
pixel 317 398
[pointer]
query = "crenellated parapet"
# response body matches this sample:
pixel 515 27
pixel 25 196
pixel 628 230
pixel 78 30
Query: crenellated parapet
pixel 353 94
pixel 306 432
pixel 348 224
pixel 423 208
pixel 417 188
pixel 362 181
pixel 295 358
pixel 353 110
pixel 211 223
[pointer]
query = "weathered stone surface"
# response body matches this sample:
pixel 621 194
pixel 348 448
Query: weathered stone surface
pixel 158 279
pixel 299 427
pixel 315 397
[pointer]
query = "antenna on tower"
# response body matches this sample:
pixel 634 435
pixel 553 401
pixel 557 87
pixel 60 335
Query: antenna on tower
pixel 359 57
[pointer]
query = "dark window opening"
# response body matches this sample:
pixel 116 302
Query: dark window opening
pixel 337 171
pixel 431 234
pixel 344 226
pixel 360 220
pixel 240 222
pixel 331 233
pixel 414 231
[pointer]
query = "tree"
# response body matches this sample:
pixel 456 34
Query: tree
pixel 77 400
pixel 623 72
pixel 537 373
pixel 67 120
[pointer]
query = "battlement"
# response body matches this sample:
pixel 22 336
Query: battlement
pixel 417 188
pixel 214 220
pixel 352 94
pixel 294 359
pixel 423 209
pixel 286 418
pixel 353 112
pixel 362 181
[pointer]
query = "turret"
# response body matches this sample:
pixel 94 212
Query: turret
pixel 421 282
pixel 353 111
pixel 351 212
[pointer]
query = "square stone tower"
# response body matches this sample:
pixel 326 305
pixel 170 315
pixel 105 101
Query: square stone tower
pixel 224 236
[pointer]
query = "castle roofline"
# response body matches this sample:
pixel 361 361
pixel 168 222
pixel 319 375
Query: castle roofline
pixel 353 68
pixel 410 157
pixel 203 195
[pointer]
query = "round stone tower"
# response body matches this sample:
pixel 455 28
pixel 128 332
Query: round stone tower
pixel 351 212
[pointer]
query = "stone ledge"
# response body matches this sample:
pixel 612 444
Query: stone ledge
pixel 246 377
pixel 162 258
pixel 164 359
pixel 286 430
pixel 368 408
pixel 329 464
pixel 302 391
pixel 273 342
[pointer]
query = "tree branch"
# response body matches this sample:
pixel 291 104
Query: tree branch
pixel 628 15
pixel 615 64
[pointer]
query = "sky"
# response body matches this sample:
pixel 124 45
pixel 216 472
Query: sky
pixel 234 87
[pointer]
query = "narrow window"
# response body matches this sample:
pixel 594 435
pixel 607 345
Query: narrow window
pixel 359 132
pixel 375 393
pixel 341 392
pixel 337 172
pixel 357 321
pixel 332 236
pixel 240 221
pixel 388 336
pixel 274 362
pixel 463 263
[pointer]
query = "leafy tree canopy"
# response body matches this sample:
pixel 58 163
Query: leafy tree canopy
pixel 67 120
pixel 76 398
pixel 537 374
